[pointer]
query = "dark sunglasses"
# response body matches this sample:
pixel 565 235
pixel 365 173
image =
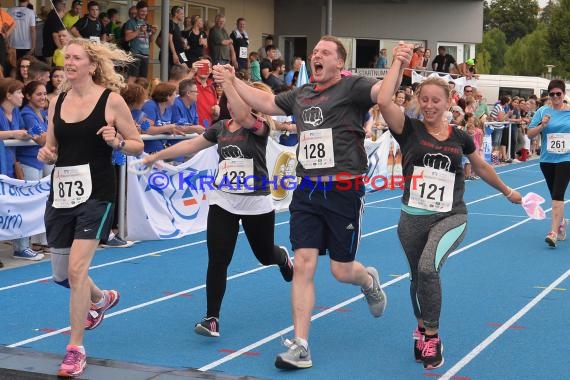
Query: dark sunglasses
pixel 553 94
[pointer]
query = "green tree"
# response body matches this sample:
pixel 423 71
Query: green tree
pixel 559 38
pixel 491 52
pixel 528 55
pixel 516 18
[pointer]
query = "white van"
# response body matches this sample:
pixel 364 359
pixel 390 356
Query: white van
pixel 495 86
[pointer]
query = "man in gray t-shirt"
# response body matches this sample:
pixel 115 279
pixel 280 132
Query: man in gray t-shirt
pixel 327 204
pixel 139 34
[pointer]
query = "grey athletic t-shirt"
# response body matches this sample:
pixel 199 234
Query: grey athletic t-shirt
pixel 242 144
pixel 330 124
pixel 422 150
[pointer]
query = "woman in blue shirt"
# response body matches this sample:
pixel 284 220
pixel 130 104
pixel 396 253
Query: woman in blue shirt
pixel 553 124
pixel 11 98
pixel 34 116
pixel 159 110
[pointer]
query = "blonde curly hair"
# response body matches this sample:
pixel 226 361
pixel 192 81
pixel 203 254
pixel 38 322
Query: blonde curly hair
pixel 105 56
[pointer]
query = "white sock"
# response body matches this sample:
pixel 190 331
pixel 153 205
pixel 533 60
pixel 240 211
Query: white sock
pixel 99 304
pixel 302 342
pixel 369 287
pixel 80 348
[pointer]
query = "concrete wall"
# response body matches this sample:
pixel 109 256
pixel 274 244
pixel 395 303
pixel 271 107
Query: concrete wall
pixel 432 21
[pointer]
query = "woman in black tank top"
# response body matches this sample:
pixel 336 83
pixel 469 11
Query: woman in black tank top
pixel 88 120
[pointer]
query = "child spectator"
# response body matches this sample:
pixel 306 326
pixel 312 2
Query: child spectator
pixel 254 67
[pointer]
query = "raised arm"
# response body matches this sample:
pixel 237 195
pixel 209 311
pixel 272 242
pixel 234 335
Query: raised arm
pixel 240 111
pixel 257 99
pixel 391 112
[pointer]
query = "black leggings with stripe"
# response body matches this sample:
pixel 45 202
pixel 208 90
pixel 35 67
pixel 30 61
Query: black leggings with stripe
pixel 427 241
pixel 222 233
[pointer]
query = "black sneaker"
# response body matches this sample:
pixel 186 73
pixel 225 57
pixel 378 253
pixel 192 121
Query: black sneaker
pixel 432 353
pixel 287 268
pixel 208 326
pixel 419 342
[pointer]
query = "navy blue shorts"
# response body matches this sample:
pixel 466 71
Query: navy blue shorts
pixel 91 220
pixel 327 218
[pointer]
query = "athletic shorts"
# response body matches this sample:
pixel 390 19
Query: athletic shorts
pixel 327 218
pixel 90 221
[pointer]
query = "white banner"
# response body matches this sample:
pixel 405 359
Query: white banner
pixel 172 201
pixel 22 207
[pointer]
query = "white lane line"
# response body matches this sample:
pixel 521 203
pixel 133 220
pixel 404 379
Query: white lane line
pixel 177 247
pixel 499 215
pixel 497 333
pixel 132 308
pixel 47 335
pixel 344 303
pixel 286 330
pixel 20 284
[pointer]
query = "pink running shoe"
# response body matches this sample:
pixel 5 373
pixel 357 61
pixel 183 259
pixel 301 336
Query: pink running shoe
pixel 551 239
pixel 95 316
pixel 432 353
pixel 73 363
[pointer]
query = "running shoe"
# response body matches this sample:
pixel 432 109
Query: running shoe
pixel 28 254
pixel 117 242
pixel 551 239
pixel 419 342
pixel 287 268
pixel 73 363
pixel 208 326
pixel 375 297
pixel 432 353
pixel 562 230
pixel 96 315
pixel 296 356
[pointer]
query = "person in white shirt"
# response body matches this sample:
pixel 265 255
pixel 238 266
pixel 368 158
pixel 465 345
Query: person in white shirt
pixel 24 37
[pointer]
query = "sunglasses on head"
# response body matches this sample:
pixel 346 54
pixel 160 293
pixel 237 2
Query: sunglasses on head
pixel 553 94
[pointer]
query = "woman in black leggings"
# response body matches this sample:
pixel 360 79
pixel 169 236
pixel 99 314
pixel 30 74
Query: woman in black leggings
pixel 241 193
pixel 552 122
pixel 433 219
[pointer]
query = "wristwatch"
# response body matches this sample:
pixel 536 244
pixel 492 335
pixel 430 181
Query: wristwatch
pixel 121 144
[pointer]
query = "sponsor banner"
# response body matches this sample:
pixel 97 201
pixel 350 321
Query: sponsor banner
pixel 172 201
pixel 22 207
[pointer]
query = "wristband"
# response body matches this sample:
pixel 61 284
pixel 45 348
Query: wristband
pixel 510 193
pixel 258 124
pixel 121 145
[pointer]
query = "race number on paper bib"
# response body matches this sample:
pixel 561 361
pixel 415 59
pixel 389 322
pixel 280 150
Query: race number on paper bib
pixel 71 185
pixel 433 190
pixel 558 143
pixel 316 149
pixel 235 175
